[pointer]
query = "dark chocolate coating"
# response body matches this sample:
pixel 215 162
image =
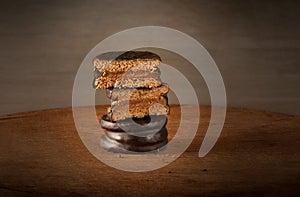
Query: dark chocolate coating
pixel 150 125
pixel 126 138
pixel 106 123
pixel 116 147
pixel 127 55
pixel 117 140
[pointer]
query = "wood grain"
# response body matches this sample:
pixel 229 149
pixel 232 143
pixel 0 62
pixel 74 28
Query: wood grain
pixel 257 154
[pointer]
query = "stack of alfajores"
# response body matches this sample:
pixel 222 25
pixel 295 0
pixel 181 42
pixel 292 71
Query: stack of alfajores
pixel 137 116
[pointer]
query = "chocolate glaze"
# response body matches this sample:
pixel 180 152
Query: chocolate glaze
pixel 127 55
pixel 117 147
pixel 124 138
pixel 150 124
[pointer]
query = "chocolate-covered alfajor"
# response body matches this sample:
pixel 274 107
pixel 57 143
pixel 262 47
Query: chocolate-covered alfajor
pixel 138 97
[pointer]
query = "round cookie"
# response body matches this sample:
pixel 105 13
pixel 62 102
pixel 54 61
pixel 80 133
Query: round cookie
pixel 117 140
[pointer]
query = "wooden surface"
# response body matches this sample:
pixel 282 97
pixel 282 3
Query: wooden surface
pixel 257 154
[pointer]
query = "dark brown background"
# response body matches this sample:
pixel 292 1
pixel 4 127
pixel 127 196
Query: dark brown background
pixel 256 45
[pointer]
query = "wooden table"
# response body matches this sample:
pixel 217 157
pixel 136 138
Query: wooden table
pixel 256 154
